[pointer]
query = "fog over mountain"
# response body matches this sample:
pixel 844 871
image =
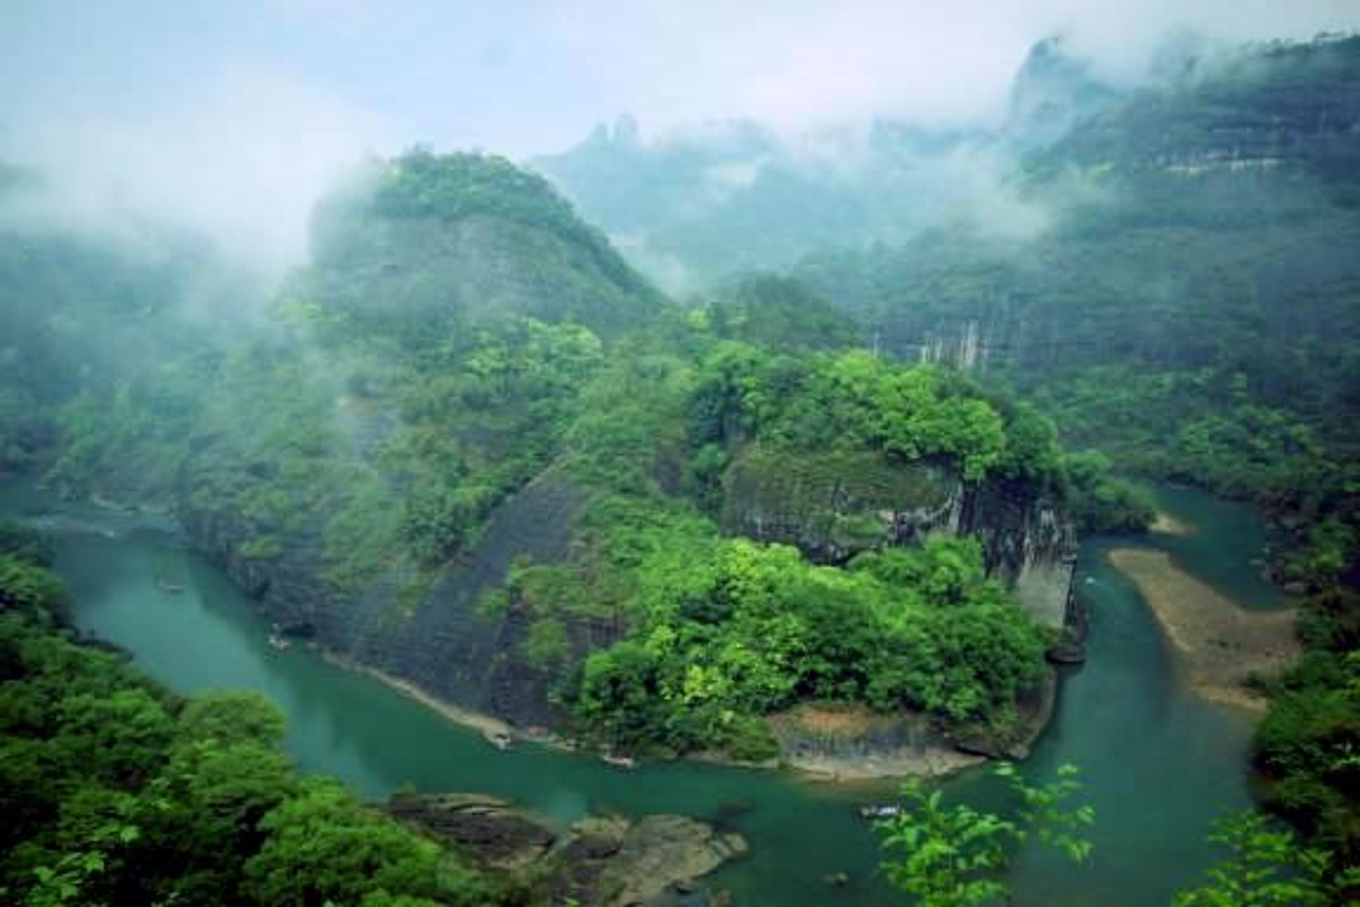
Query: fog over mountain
pixel 234 117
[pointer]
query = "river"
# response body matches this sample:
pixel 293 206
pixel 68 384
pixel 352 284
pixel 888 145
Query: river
pixel 1158 763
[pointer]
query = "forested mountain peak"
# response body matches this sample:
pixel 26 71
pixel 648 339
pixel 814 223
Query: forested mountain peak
pixel 1053 89
pixel 445 239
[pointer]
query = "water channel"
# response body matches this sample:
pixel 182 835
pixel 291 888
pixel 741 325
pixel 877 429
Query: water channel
pixel 1158 763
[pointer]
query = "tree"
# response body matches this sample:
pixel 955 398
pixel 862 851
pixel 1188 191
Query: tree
pixel 952 856
pixel 232 716
pixel 29 589
pixel 1264 868
pixel 323 846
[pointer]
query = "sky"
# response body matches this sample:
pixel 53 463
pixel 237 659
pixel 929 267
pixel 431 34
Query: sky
pixel 225 110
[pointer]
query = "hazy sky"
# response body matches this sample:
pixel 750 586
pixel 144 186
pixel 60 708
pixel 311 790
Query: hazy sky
pixel 219 105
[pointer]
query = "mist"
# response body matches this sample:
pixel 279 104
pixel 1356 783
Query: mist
pixel 231 119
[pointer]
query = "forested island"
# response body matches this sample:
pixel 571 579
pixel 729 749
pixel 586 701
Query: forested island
pixel 822 512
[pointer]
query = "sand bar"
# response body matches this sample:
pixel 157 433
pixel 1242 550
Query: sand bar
pixel 1220 643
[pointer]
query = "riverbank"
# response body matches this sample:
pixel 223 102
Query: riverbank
pixel 856 744
pixel 1221 645
pixel 863 763
pixel 486 724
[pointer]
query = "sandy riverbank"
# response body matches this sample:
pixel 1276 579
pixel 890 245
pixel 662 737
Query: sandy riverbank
pixel 1220 643
pixel 919 761
pixel 466 717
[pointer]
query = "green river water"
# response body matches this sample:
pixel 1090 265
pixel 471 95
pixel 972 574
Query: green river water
pixel 1158 764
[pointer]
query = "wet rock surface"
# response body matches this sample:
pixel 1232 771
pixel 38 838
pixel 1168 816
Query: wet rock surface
pixel 487 828
pixel 609 861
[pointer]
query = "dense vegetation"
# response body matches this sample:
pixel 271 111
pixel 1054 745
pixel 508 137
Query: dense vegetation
pixel 953 855
pixel 459 339
pixel 1194 317
pixel 735 630
pixel 718 631
pixel 116 791
pixel 1306 746
pixel 950 855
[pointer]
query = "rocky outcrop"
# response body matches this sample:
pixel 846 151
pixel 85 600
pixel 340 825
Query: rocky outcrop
pixel 609 861
pixel 485 827
pixel 835 505
pixel 1028 542
pixel 1053 91
pixel 854 742
pixel 661 851
pixel 832 505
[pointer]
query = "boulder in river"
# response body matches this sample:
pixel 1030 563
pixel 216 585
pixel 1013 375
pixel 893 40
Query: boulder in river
pixel 660 851
pixel 601 860
pixel 486 828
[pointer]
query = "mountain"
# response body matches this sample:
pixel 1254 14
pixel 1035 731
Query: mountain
pixel 433 242
pixel 731 197
pixel 699 205
pixel 468 446
pixel 1212 235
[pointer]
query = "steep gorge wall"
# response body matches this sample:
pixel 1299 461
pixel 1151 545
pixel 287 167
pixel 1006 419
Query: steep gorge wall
pixel 438 641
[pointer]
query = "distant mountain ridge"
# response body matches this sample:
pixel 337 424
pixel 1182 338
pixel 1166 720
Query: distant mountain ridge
pixel 698 206
pixel 734 196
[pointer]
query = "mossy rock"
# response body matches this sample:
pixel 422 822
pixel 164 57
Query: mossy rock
pixel 833 504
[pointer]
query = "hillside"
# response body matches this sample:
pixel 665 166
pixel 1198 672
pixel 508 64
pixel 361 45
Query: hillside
pixel 1196 317
pixel 1206 271
pixel 438 242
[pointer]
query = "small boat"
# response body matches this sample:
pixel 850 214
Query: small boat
pixel 278 642
pixel 165 585
pixel 499 739
pixel 619 761
pixel 879 811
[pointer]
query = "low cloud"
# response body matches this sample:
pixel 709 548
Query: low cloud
pixel 242 160
pixel 233 118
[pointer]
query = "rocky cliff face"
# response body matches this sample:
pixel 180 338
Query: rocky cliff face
pixel 836 505
pixel 1291 108
pixel 437 639
pixel 1028 541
